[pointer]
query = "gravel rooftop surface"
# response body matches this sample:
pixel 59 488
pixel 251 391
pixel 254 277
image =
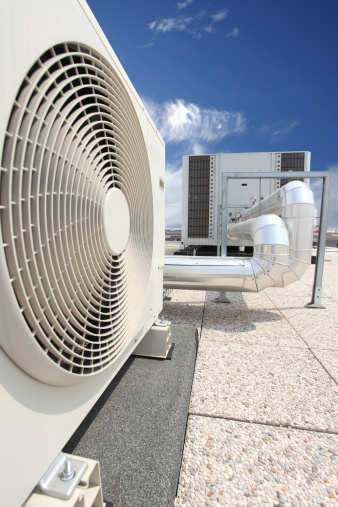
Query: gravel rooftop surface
pixel 263 416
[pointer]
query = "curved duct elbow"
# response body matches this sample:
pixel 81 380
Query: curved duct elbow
pixel 271 247
pixel 270 259
pixel 295 204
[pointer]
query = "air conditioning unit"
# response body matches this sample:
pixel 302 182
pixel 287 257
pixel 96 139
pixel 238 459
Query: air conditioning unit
pixel 82 173
pixel 202 189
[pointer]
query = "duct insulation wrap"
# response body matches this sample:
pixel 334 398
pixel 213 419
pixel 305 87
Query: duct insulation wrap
pixel 295 204
pixel 270 259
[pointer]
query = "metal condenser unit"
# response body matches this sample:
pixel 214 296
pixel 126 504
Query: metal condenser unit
pixel 202 190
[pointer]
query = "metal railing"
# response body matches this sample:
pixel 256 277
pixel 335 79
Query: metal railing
pixel 296 175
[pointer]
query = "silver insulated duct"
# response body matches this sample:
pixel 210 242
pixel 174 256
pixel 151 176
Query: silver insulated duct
pixel 294 203
pixel 282 248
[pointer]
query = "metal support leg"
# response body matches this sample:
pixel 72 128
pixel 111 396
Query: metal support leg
pixel 157 342
pixel 224 233
pixel 222 298
pixel 316 301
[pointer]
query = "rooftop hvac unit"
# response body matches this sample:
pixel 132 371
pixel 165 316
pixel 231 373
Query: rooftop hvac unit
pixel 202 189
pixel 82 171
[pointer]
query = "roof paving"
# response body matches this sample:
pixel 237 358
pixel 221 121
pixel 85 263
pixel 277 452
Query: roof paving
pixel 263 416
pixel 261 424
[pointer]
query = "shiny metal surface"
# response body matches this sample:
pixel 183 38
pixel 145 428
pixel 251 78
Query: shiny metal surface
pixel 62 477
pixel 269 261
pixel 294 203
pixel 282 247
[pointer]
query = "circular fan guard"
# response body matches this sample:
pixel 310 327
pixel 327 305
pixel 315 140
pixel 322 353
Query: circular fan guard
pixel 72 137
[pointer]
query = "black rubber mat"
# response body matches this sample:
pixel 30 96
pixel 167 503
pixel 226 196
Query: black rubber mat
pixel 136 430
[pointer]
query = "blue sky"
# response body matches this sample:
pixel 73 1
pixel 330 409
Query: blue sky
pixel 232 76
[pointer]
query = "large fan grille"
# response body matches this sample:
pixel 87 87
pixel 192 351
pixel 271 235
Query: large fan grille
pixel 73 134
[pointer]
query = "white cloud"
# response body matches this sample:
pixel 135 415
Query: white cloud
pixel 183 5
pixel 210 29
pixel 179 24
pixel 191 24
pixel 215 18
pixel 285 128
pixel 189 130
pixel 279 129
pixel 316 187
pixel 198 149
pixel 186 122
pixel 234 33
pixel 149 45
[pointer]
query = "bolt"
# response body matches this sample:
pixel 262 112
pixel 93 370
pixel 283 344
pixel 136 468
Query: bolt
pixel 67 472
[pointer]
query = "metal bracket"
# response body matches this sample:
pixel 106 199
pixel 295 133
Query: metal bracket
pixel 161 322
pixel 166 293
pixel 316 299
pixel 62 477
pixel 157 342
pixel 222 298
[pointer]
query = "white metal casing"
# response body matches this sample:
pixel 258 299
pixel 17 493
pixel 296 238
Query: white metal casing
pixel 157 342
pixel 239 191
pixel 87 494
pixel 38 417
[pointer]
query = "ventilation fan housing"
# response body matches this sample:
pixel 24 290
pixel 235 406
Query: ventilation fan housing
pixel 82 167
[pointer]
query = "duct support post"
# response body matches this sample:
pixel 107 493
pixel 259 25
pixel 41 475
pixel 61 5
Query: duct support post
pixel 219 230
pixel 166 293
pixel 295 175
pixel 316 301
pixel 222 298
pixel 224 220
pixel 224 223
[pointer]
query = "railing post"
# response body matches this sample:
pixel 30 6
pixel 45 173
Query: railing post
pixel 316 301
pixel 224 235
pixel 224 232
